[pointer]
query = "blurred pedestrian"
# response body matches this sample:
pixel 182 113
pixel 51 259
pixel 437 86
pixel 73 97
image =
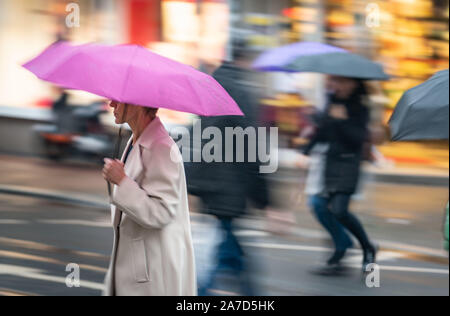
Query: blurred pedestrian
pixel 153 251
pixel 62 112
pixel 344 129
pixel 225 187
pixel 319 204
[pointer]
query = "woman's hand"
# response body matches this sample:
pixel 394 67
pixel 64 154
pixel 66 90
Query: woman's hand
pixel 339 112
pixel 303 162
pixel 114 171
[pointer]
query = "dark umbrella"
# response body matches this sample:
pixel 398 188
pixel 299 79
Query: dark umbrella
pixel 423 112
pixel 278 59
pixel 320 58
pixel 339 64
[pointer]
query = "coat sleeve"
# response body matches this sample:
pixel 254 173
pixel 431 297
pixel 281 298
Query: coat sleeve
pixel 320 136
pixel 354 131
pixel 153 205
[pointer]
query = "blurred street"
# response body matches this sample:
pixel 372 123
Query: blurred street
pixel 308 147
pixel 40 237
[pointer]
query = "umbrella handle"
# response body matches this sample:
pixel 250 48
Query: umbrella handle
pixel 108 184
pixel 118 144
pixel 116 152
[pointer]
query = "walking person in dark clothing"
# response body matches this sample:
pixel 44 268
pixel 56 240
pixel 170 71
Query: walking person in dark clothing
pixel 224 188
pixel 344 128
pixel 319 204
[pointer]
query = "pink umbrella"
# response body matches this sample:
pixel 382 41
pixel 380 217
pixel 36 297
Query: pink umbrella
pixel 134 75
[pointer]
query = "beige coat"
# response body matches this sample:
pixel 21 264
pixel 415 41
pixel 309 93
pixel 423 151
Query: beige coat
pixel 153 251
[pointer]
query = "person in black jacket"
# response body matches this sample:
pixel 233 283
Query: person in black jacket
pixel 225 188
pixel 344 128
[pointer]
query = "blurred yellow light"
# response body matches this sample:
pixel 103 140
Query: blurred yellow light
pixel 180 21
pixel 261 20
pixel 286 100
pixel 263 41
pixel 341 18
pixel 214 31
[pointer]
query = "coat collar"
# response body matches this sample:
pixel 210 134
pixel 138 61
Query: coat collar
pixel 151 133
pixel 134 165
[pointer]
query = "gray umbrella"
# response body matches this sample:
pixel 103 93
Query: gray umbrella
pixel 422 113
pixel 339 64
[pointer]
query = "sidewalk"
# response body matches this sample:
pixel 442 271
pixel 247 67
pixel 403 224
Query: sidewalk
pixel 76 180
pixel 62 181
pixel 385 172
pixel 66 178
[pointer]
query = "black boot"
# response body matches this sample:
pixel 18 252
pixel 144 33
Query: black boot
pixel 333 266
pixel 370 257
pixel 335 270
pixel 337 257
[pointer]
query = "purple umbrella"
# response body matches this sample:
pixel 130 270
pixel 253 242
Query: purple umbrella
pixel 134 75
pixel 277 59
pixel 320 58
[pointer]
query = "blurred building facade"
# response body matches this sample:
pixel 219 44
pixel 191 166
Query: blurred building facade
pixel 410 37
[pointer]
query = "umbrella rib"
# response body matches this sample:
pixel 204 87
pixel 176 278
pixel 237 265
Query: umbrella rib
pixel 200 103
pixel 47 74
pixel 127 77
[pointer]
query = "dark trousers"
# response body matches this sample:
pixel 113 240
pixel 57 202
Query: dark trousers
pixel 340 204
pixel 321 210
pixel 230 260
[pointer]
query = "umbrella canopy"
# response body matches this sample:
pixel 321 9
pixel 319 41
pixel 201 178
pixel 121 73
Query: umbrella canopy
pixel 320 58
pixel 423 112
pixel 277 59
pixel 339 64
pixel 132 74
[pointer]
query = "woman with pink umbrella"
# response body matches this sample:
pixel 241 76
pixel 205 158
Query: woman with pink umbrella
pixel 153 253
pixel 153 250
